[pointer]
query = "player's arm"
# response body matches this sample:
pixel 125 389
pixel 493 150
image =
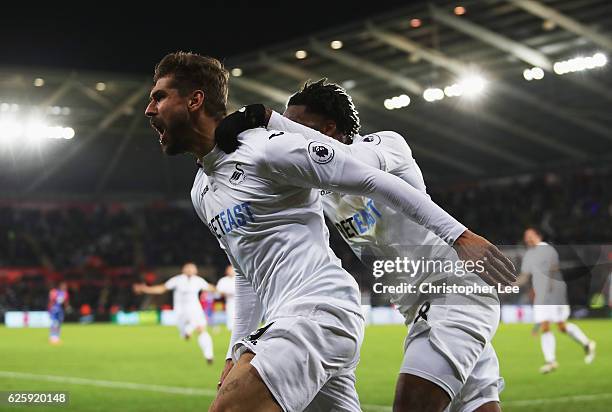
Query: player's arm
pixel 329 166
pixel 150 290
pixel 522 279
pixel 386 150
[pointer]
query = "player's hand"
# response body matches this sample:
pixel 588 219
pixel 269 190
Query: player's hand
pixel 228 367
pixel 227 131
pixel 498 269
pixel 137 288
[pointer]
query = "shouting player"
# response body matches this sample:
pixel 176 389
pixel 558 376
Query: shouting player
pixel 187 308
pixel 260 204
pixel 448 354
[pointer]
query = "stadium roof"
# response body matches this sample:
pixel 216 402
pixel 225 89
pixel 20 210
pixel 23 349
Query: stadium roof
pixel 513 126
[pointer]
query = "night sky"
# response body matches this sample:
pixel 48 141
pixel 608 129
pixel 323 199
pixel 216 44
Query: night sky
pixel 107 37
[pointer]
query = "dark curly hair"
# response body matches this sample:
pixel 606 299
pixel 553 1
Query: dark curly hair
pixel 329 100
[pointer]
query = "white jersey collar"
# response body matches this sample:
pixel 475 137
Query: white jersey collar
pixel 209 161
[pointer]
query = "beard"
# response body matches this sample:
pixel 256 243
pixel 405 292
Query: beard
pixel 175 139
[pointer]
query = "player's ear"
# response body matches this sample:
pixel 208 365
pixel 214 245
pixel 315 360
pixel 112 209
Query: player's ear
pixel 196 100
pixel 329 128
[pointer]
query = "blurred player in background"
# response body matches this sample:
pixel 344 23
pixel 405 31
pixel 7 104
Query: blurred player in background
pixel 541 263
pixel 58 301
pixel 227 287
pixel 187 308
pixel 448 354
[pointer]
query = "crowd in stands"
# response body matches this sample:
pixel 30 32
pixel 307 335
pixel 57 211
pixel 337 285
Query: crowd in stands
pixel 570 207
pixel 86 240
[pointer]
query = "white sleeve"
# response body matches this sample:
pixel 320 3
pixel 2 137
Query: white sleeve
pixel 361 152
pixel 248 310
pixel 328 165
pixel 171 283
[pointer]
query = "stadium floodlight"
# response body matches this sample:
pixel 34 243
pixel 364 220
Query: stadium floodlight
pixel 535 73
pixel 336 44
pixel 34 129
pixel 468 86
pixel 459 10
pixel 397 102
pixel 580 63
pixel 10 129
pixel 432 94
pixel 454 90
pixel 600 59
pixel 301 54
pixel 349 84
pixel 236 72
pixel 472 85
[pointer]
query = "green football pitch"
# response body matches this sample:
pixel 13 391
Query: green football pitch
pixel 149 368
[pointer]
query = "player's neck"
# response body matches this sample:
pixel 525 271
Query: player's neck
pixel 205 131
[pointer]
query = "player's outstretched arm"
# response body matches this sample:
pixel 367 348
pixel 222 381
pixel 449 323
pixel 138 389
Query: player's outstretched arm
pixel 328 165
pixel 149 290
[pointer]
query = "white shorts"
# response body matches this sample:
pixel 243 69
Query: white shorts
pixel 187 321
pixel 550 313
pixel 450 345
pixel 308 362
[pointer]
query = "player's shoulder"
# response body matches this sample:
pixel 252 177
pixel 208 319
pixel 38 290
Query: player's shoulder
pixel 392 148
pixel 380 137
pixel 267 146
pixel 260 140
pixel 385 140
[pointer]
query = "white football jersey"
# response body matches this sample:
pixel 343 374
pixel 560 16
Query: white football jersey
pixel 364 222
pixel 259 203
pixel 186 296
pixel 272 228
pixel 227 286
